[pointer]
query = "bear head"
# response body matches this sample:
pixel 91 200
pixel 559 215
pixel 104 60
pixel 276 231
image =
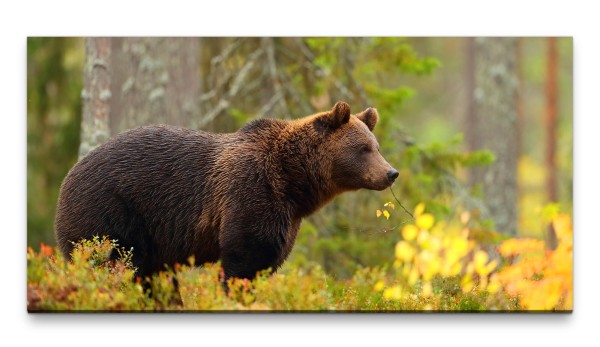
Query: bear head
pixel 352 150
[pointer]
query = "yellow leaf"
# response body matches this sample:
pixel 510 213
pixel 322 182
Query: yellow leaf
pixel 392 293
pixel 522 246
pixel 419 209
pixel 409 232
pixel 378 213
pixel 390 204
pixel 386 214
pixel 455 269
pixel 404 251
pixel 564 229
pixel 480 258
pixel 457 249
pixel 379 286
pixel 491 266
pixel 494 285
pixel 466 284
pixel 423 239
pixel 413 277
pixel 427 289
pixel 425 221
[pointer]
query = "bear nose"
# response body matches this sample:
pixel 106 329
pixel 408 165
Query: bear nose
pixel 392 175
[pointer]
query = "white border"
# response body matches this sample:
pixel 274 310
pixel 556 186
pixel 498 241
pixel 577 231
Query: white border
pixel 305 18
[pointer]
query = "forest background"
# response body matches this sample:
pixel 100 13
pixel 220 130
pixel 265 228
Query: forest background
pixel 499 147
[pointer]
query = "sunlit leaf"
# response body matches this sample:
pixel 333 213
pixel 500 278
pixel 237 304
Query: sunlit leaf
pixel 563 228
pixel 425 221
pixel 550 212
pixel 466 284
pixel 386 214
pixel 494 285
pixel 521 246
pixel 404 251
pixel 390 204
pixel 409 232
pixel 427 289
pixel 393 293
pixel 419 210
pixel 413 277
pixel 378 213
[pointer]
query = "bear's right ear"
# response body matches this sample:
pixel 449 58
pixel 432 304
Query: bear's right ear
pixel 339 115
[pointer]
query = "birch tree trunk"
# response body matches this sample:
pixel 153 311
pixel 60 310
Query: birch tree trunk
pixel 130 82
pixel 495 117
pixel 96 94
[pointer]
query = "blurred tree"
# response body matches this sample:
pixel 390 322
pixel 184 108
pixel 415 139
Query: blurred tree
pixel 155 80
pixel 54 66
pixel 550 120
pixel 96 94
pixel 551 116
pixel 494 127
pixel 130 82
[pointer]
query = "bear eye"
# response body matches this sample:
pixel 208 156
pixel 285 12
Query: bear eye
pixel 365 149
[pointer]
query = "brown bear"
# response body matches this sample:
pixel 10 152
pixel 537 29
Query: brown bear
pixel 171 193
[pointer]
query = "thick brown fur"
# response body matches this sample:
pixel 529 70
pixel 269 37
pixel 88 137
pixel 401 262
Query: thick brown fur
pixel 171 193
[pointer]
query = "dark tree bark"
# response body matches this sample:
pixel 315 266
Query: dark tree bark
pixel 96 94
pixel 494 128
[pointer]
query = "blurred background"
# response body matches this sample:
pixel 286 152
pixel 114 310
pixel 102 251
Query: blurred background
pixel 482 125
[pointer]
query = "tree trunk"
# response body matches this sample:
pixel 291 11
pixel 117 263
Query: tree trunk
pixel 550 124
pixel 155 80
pixel 551 116
pixel 129 82
pixel 96 94
pixel 471 128
pixel 495 111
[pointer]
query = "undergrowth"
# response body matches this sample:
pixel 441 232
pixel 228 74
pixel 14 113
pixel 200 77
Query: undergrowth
pixel 436 267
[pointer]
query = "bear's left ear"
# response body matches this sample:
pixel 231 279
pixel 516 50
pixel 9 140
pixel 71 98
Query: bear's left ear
pixel 339 115
pixel 369 117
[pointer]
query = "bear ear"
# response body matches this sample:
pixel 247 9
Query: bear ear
pixel 369 117
pixel 339 115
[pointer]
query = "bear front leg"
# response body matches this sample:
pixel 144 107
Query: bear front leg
pixel 244 260
pixel 247 247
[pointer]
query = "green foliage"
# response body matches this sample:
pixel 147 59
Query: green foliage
pixel 429 174
pixel 54 82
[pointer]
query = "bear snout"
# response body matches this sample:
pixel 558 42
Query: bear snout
pixel 392 175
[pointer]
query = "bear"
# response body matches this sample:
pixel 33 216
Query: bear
pixel 171 192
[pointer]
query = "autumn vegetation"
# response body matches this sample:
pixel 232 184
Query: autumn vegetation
pixel 436 266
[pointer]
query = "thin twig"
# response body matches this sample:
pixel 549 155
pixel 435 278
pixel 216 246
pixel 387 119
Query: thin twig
pixel 404 208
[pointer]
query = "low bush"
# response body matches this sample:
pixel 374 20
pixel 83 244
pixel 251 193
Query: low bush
pixel 437 266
